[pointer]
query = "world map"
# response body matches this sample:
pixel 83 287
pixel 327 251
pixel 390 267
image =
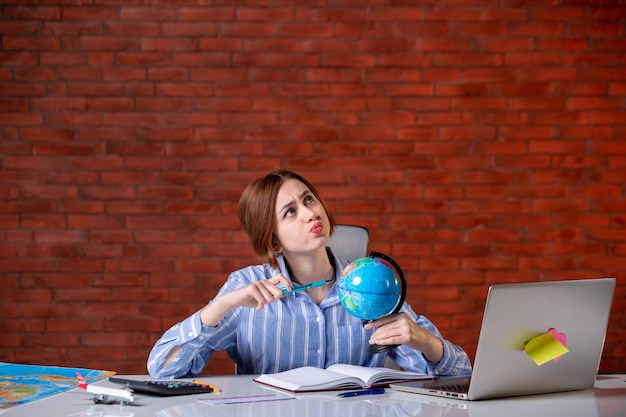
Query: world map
pixel 20 384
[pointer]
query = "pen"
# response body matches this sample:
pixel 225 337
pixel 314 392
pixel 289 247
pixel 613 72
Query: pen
pixel 307 286
pixel 204 384
pixel 363 392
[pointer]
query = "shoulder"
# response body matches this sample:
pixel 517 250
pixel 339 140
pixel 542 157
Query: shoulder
pixel 249 274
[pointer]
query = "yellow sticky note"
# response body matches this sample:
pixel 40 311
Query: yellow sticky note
pixel 544 348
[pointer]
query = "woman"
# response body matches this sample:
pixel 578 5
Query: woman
pixel 265 330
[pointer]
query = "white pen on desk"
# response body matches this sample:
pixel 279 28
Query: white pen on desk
pixel 307 286
pixel 245 399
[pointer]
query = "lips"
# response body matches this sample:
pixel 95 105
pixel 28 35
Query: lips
pixel 317 228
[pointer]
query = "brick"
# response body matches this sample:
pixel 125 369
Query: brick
pixel 332 75
pixel 123 74
pixel 607 117
pixel 27 207
pixel 610 177
pixel 591 59
pixel 50 134
pixel 29 296
pixel 147 266
pixel 191 29
pixel 217 44
pixel 504 14
pixel 439 264
pixel 109 339
pixel 13 177
pixel 13 105
pixel 148 13
pixel 153 59
pixel 396 14
pixel 570 161
pixel 95 89
pixel 30 43
pixel 37 221
pixel 596 190
pixel 68 149
pixel 411 30
pixel 593 103
pixel 617 88
pixel 35 74
pixel 9 221
pixel 19 119
pixel 305 30
pixel 293 59
pixel 567 248
pixel 467 133
pixel 338 14
pixel 214 74
pixel 50 192
pixel 603 262
pixel 235 89
pixel 606 235
pixel 462 250
pixel 556 147
pixel 204 13
pixel 188 89
pixel 594 29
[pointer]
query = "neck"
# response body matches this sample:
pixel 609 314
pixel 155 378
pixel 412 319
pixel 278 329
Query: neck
pixel 311 269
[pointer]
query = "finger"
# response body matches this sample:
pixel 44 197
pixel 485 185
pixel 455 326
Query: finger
pixel 384 333
pixel 280 279
pixel 381 322
pixel 389 337
pixel 269 291
pixel 388 340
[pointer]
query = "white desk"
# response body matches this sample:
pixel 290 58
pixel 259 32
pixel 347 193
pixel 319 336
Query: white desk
pixel 607 399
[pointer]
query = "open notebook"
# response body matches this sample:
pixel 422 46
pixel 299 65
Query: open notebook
pixel 518 353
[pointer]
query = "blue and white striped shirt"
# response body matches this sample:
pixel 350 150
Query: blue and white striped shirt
pixel 289 333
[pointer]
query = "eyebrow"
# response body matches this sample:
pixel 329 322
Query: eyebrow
pixel 290 203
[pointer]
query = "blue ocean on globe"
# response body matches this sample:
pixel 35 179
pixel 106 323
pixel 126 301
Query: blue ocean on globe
pixel 369 288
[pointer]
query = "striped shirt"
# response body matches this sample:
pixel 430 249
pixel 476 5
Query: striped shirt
pixel 289 333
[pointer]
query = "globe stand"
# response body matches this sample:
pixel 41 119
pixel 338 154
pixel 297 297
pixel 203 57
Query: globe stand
pixel 374 349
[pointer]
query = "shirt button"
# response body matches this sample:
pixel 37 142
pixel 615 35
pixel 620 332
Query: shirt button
pixel 319 351
pixel 319 319
pixel 190 334
pixel 201 337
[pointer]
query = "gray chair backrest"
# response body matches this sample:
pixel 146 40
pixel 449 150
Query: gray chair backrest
pixel 349 242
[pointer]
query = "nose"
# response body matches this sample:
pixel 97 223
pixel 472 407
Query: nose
pixel 309 214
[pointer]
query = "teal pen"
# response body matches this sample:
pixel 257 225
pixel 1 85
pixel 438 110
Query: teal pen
pixel 307 286
pixel 362 392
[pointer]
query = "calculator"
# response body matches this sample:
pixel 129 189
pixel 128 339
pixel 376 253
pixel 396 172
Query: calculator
pixel 163 388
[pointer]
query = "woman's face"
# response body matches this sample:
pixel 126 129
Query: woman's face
pixel 301 221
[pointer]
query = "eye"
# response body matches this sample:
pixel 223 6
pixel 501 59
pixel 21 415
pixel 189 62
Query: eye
pixel 308 200
pixel 289 212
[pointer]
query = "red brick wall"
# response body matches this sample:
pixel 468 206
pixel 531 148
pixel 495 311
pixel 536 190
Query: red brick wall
pixel 479 141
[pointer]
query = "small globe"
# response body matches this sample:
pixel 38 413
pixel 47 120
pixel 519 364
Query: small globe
pixel 369 288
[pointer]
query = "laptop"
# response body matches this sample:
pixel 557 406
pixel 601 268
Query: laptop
pixel 516 314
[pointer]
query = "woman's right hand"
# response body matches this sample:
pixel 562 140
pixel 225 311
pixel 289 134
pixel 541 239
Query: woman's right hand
pixel 258 293
pixel 254 295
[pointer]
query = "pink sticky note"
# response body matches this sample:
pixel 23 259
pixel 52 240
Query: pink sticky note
pixel 560 337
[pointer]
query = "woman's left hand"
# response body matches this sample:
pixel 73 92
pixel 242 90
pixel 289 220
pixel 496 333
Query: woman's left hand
pixel 399 329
